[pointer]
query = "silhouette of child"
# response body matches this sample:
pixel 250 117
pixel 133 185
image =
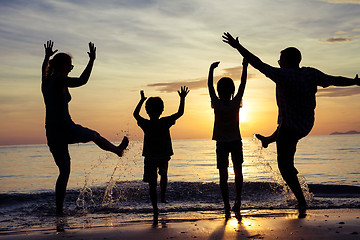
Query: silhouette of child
pixel 226 133
pixel 295 96
pixel 60 129
pixel 157 148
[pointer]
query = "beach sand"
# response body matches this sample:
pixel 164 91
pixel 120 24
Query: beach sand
pixel 255 224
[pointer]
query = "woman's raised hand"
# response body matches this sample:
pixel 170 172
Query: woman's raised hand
pixel 92 51
pixel 48 48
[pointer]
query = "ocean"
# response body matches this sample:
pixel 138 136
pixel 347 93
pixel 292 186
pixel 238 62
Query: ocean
pixel 105 190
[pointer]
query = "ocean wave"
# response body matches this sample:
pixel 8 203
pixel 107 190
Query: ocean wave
pixel 129 200
pixel 129 192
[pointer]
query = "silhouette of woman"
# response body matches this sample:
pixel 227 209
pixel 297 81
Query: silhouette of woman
pixel 60 129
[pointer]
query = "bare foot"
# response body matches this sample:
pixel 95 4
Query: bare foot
pixel 123 145
pixel 155 217
pixel 263 139
pixel 302 211
pixel 236 207
pixel 227 212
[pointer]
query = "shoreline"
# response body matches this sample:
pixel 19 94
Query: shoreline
pixel 255 224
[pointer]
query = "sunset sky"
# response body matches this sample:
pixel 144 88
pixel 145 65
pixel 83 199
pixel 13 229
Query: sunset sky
pixel 159 45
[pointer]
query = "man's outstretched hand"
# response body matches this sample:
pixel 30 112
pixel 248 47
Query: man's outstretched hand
pixel 227 38
pixel 357 80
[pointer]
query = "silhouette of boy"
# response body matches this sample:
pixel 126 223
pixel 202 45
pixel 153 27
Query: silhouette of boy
pixel 295 95
pixel 157 148
pixel 226 132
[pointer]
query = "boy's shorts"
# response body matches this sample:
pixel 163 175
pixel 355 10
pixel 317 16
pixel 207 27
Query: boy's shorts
pixel 222 153
pixel 151 166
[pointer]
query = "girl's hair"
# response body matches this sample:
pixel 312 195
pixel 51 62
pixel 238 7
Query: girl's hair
pixel 56 63
pixel 154 106
pixel 225 86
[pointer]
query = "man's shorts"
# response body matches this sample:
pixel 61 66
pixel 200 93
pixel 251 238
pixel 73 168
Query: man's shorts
pixel 286 143
pixel 222 153
pixel 151 166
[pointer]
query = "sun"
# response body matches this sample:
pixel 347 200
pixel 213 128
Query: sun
pixel 243 112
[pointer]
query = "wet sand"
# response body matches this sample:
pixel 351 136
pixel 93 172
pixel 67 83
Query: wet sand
pixel 261 224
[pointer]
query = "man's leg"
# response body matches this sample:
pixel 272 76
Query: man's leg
pixel 265 141
pixel 286 148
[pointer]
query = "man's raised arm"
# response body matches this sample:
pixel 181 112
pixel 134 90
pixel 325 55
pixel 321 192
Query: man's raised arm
pixel 251 58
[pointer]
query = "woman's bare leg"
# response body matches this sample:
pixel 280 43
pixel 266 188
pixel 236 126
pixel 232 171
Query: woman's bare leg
pixel 104 144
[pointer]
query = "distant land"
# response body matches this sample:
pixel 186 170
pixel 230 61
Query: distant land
pixel 349 132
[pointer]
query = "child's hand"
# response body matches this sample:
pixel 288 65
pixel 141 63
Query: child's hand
pixel 214 65
pixel 183 91
pixel 143 98
pixel 245 63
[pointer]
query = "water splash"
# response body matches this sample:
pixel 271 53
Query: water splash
pixel 86 197
pixel 123 169
pixel 267 161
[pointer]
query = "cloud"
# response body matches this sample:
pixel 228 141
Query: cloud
pixel 340 32
pixel 174 86
pixel 338 92
pixel 336 40
pixel 343 1
pixel 199 83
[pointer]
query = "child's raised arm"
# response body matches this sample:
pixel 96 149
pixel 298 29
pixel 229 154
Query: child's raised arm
pixel 182 93
pixel 136 113
pixel 240 92
pixel 211 80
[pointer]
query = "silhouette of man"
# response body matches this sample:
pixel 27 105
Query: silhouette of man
pixel 295 95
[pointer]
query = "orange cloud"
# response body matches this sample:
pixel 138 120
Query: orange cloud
pixel 343 1
pixel 198 83
pixel 338 92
